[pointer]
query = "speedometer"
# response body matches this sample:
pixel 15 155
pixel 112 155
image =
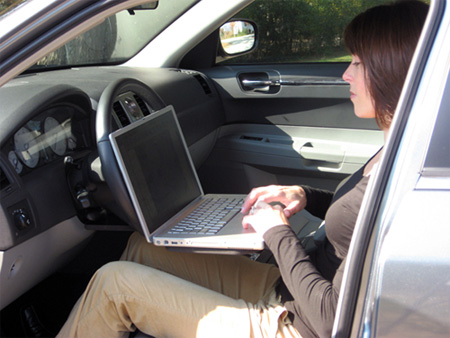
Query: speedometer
pixel 55 135
pixel 26 147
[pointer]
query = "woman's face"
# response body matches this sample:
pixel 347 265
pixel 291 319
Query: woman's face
pixel 359 93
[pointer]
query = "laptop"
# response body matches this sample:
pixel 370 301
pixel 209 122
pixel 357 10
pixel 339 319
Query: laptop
pixel 166 193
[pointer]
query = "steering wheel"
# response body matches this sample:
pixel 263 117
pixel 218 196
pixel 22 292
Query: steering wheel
pixel 103 127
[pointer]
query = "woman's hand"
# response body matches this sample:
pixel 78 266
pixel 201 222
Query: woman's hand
pixel 292 197
pixel 263 216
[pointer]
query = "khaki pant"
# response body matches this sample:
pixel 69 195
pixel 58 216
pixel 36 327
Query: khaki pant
pixel 171 294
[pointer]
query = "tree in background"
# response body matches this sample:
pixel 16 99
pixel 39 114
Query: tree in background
pixel 6 4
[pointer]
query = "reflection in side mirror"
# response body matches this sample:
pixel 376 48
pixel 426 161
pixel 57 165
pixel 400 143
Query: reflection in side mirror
pixel 237 37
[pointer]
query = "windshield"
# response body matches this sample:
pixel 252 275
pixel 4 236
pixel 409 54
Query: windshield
pixel 117 39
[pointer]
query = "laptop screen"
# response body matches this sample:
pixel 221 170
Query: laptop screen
pixel 155 161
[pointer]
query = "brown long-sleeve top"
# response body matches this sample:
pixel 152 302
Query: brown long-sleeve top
pixel 311 282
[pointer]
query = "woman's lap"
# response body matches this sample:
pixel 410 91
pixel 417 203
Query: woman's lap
pixel 123 296
pixel 172 294
pixel 232 275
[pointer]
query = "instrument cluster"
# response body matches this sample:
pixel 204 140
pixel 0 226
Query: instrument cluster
pixel 56 133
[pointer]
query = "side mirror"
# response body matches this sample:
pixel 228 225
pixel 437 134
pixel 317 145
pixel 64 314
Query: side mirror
pixel 237 37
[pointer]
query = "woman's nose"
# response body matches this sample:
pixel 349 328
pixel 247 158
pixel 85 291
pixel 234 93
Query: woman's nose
pixel 346 76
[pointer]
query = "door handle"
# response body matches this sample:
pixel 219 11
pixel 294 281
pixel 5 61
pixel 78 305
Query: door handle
pixel 322 153
pixel 265 83
pixel 259 83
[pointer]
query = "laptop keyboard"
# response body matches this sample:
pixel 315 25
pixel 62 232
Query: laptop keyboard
pixel 209 217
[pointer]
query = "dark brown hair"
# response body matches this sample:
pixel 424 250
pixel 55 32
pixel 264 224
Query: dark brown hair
pixel 384 39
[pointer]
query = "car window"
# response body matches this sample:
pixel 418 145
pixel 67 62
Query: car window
pixel 301 30
pixel 437 162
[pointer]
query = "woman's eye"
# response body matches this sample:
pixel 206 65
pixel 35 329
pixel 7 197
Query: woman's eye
pixel 356 63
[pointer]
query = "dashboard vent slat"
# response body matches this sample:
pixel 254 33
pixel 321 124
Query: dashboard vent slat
pixel 203 83
pixel 142 105
pixel 4 181
pixel 121 114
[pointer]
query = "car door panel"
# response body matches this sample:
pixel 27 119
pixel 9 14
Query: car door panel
pixel 287 124
pixel 313 95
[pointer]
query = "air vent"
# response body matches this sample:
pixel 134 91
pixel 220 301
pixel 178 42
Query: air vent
pixel 4 181
pixel 141 105
pixel 203 83
pixel 121 114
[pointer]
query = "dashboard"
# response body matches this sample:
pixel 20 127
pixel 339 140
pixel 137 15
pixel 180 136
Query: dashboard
pixel 53 195
pixel 39 136
pixel 49 157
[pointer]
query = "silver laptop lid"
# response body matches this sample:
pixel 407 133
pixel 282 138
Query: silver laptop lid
pixel 157 168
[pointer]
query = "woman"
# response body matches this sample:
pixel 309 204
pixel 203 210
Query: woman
pixel 166 293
